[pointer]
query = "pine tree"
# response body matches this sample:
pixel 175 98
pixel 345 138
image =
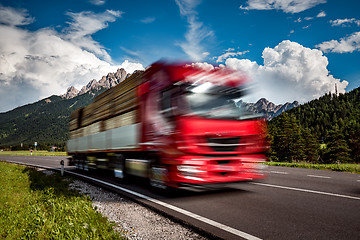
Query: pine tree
pixel 287 144
pixel 353 137
pixel 338 150
pixel 311 146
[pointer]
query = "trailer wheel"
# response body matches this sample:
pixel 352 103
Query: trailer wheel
pixel 119 167
pixel 71 161
pixel 78 162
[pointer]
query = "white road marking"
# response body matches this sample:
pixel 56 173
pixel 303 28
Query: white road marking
pixel 174 208
pixel 318 176
pixel 278 172
pixel 306 190
pixel 177 209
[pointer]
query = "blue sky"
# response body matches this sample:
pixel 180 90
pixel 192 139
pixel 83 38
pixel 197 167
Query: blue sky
pixel 291 49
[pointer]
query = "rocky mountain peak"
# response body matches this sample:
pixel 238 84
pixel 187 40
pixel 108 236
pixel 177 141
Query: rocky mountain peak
pixel 108 81
pixel 70 93
pixel 113 79
pixel 262 103
pixel 92 85
pixel 121 74
pixel 267 108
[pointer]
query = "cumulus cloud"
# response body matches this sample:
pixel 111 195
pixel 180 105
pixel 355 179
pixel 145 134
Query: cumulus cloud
pixel 37 64
pixel 203 65
pixel 290 72
pixel 288 6
pixel 196 31
pixel 344 22
pixel 345 45
pixel 131 67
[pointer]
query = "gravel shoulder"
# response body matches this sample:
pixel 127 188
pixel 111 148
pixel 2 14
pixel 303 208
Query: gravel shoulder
pixel 134 220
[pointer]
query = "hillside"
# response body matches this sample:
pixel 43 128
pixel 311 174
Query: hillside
pixel 45 121
pixel 323 130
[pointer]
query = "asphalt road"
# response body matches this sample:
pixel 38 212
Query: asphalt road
pixel 290 204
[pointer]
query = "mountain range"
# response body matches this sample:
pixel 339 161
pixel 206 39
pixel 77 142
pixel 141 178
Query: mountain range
pixel 268 109
pixel 46 121
pixel 106 82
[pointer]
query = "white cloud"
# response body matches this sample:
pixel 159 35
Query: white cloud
pixel 15 17
pixel 288 6
pixel 84 24
pixel 228 54
pixel 321 14
pixel 203 65
pixel 130 67
pixel 196 32
pixel 187 7
pixel 148 20
pixel 290 72
pixel 97 2
pixel 344 22
pixel 37 64
pixel 345 45
pixel 136 54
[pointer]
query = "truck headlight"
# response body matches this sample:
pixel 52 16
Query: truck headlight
pixel 189 169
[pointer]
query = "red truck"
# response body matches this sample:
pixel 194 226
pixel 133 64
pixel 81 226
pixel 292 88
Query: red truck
pixel 175 124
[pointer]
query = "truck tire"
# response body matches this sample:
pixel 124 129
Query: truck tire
pixel 156 176
pixel 119 168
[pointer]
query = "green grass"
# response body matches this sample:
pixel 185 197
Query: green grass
pixel 36 206
pixel 353 168
pixel 37 153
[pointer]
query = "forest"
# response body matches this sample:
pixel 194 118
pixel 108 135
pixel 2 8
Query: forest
pixel 325 130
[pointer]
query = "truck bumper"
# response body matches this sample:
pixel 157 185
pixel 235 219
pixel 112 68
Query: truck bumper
pixel 200 170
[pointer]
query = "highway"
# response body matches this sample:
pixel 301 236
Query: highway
pixel 290 204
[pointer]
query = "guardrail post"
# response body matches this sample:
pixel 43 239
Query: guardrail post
pixel 62 167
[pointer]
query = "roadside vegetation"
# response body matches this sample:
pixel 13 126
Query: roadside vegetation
pixel 36 206
pixel 34 153
pixel 322 131
pixel 353 168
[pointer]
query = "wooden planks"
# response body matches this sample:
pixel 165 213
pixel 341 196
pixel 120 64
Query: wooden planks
pixel 116 107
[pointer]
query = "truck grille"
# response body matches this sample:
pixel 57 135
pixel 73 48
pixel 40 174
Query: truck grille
pixel 223 144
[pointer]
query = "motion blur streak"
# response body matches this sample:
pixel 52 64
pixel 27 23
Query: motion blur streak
pixel 177 124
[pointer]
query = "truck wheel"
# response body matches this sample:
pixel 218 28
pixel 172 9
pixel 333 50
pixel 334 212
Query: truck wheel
pixel 119 167
pixel 79 163
pixel 157 176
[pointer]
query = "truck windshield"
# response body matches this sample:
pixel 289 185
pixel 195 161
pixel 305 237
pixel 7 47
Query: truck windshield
pixel 216 106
